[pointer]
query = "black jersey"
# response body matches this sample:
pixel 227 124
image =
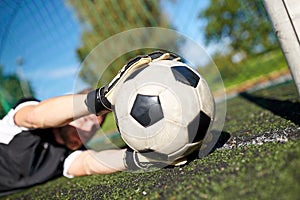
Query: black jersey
pixel 32 157
pixel 27 157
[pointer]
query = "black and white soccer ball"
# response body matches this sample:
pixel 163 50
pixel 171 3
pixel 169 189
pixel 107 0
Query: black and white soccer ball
pixel 166 108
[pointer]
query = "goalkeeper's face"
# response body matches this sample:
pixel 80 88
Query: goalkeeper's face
pixel 78 131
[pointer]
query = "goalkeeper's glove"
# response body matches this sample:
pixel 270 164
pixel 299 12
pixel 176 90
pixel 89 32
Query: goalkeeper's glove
pixel 147 161
pixel 100 101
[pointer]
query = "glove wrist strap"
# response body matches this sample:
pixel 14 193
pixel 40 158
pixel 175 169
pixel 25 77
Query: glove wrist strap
pixel 94 103
pixel 129 161
pixel 135 161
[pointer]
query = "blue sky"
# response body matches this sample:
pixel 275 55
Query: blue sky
pixel 46 34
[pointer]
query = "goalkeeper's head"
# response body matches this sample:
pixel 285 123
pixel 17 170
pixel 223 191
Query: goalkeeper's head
pixel 78 132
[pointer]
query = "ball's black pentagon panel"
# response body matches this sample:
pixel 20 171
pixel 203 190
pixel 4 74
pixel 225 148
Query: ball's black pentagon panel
pixel 198 127
pixel 185 75
pixel 147 110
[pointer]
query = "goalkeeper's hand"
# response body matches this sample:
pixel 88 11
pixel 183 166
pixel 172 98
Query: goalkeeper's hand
pixel 100 101
pixel 147 161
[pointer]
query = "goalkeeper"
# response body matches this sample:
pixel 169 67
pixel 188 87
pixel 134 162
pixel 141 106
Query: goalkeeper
pixel 39 140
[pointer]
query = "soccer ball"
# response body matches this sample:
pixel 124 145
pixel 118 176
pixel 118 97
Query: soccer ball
pixel 165 107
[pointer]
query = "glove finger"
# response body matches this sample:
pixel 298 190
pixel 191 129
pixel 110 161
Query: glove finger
pixel 161 55
pixel 129 68
pixel 109 91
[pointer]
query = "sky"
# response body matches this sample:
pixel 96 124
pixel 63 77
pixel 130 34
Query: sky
pixel 44 35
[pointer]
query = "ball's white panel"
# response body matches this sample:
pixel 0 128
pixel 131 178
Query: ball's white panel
pixel 171 138
pixel 134 129
pixel 150 88
pixel 125 99
pixel 187 97
pixel 185 150
pixel 172 106
pixel 206 98
pixel 131 131
pixel 189 102
pixel 174 137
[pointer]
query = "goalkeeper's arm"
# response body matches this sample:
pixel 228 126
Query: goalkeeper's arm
pixel 98 101
pixel 110 161
pixel 91 162
pixel 45 114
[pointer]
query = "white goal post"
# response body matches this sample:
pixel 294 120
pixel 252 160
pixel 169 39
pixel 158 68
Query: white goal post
pixel 285 17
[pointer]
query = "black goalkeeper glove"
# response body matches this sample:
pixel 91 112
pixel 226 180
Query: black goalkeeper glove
pixel 147 161
pixel 100 101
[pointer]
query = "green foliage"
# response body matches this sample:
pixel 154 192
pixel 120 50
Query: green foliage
pixel 255 68
pixel 251 68
pixel 104 18
pixel 242 23
pixel 10 91
pixel 109 124
pixel 248 51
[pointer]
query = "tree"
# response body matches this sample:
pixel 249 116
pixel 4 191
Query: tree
pixel 104 18
pixel 244 23
pixel 10 91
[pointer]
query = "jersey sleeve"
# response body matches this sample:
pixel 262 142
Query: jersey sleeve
pixel 68 162
pixel 8 128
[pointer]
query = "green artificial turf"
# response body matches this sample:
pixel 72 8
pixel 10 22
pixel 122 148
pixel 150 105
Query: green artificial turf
pixel 253 171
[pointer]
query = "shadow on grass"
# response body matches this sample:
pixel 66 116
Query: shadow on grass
pixel 222 139
pixel 285 109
